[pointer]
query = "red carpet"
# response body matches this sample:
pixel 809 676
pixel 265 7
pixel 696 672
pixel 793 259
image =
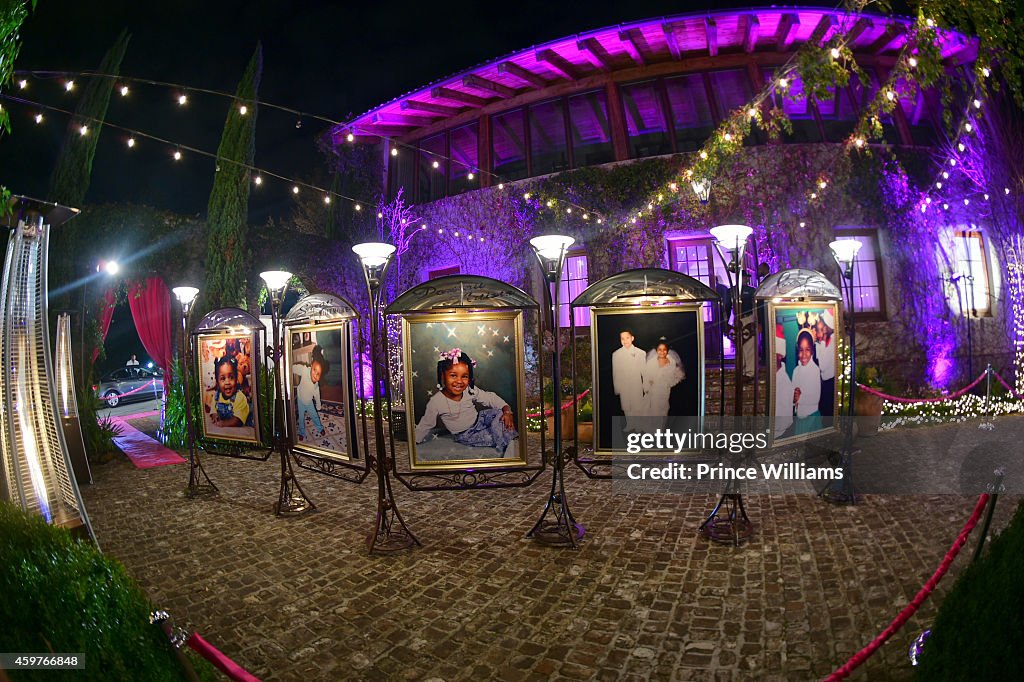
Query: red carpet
pixel 142 450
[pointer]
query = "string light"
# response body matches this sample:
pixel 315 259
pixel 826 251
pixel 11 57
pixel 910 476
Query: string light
pixel 469 175
pixel 960 146
pixel 177 155
pixel 182 100
pixel 835 53
pixel 83 130
pixel 39 118
pixel 526 196
pixel 952 162
pixel 131 142
pixel 327 199
pixel 784 82
pixel 258 180
pixel 913 62
pixel 350 138
pixel 243 110
pixel 359 207
pixel 968 127
pixel 69 86
pixel 394 151
pixel 380 214
pixel 977 104
pixel 945 175
pixel 295 189
pixel 22 84
pixel 436 164
pixel 501 185
pixel 124 91
pixel 859 142
pixel 985 72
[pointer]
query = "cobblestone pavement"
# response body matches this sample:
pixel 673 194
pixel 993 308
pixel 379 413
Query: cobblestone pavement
pixel 644 598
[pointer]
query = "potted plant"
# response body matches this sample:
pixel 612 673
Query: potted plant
pixel 585 425
pixel 867 406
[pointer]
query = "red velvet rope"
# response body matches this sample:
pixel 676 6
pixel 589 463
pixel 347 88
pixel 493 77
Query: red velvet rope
pixel 566 405
pixel 1014 393
pixel 894 399
pixel 923 594
pixel 219 660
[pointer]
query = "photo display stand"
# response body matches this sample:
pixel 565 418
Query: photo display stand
pixel 237 335
pixel 321 415
pixel 650 303
pixel 482 320
pixel 797 300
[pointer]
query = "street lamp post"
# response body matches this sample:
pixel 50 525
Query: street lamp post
pixel 562 528
pixel 110 268
pixel 390 534
pixel 728 522
pixel 842 491
pixel 198 482
pixel 291 500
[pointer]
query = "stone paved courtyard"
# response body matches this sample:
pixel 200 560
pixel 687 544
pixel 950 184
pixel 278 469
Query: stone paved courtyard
pixel 644 598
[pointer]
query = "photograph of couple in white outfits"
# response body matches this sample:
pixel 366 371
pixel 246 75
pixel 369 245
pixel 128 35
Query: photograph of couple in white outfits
pixel 648 370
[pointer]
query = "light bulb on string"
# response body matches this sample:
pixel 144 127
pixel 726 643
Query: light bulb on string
pixel 295 189
pixel 69 86
pixel 182 100
pixel 131 142
pixel 124 91
pixel 938 185
pixel 22 84
pixel 350 138
pixel 952 162
pixel 359 207
pixel 550 203
pixel 835 53
pixel 985 196
pixel 673 186
pixel 327 199
pixel 83 130
pixel 927 200
pixel 913 62
pixel 501 185
pixel 703 154
pixel 967 202
pixel 945 175
pixel 243 110
pixel 380 214
pixel 39 118
pixel 470 175
pixel 968 127
pixel 436 164
pixel 568 210
pixel 985 72
pixel 859 142
pixel 258 180
pixel 960 146
pixel 526 196
pixel 784 82
pixel 977 104
pixel 945 207
pixel 177 155
pixel 394 151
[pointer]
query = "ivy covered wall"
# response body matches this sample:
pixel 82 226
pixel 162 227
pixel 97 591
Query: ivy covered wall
pixel 921 343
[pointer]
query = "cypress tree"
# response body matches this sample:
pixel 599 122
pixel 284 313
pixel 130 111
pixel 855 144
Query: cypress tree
pixel 70 180
pixel 227 212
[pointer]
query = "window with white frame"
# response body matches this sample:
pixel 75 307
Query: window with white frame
pixel 574 281
pixel 868 289
pixel 968 293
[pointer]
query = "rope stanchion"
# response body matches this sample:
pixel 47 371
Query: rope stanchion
pixel 864 654
pixel 566 405
pixel 951 396
pixel 222 662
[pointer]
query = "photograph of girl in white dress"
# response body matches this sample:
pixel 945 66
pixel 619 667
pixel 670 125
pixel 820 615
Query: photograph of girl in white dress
pixel 463 388
pixel 321 397
pixel 804 379
pixel 648 372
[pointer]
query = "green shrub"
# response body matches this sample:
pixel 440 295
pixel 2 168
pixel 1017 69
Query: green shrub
pixel 61 595
pixel 175 434
pixel 979 632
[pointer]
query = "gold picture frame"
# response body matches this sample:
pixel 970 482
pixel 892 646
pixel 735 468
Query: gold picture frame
pixel 794 317
pixel 495 342
pixel 330 433
pixel 241 349
pixel 682 326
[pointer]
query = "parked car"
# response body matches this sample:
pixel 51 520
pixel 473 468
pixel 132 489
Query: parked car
pixel 129 383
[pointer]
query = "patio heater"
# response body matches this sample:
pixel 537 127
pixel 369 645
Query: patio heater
pixel 291 500
pixel 198 482
pixel 390 533
pixel 562 528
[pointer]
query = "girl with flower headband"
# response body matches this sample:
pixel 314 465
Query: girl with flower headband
pixel 473 416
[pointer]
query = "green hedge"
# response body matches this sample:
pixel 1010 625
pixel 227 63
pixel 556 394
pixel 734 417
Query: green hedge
pixel 978 634
pixel 61 595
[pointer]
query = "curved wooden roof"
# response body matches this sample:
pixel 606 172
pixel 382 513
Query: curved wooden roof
pixel 678 43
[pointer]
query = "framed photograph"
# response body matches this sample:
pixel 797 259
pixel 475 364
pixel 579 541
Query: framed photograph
pixel 803 363
pixel 228 371
pixel 320 388
pixel 464 382
pixel 648 369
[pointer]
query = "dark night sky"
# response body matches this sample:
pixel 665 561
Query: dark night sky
pixel 328 58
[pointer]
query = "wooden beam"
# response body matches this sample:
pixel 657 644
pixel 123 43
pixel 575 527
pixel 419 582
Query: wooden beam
pixel 857 30
pixel 384 129
pixel 411 120
pixel 893 32
pixel 750 28
pixel 820 32
pixel 670 38
pixel 711 33
pixel 631 40
pixel 617 121
pixel 464 97
pixel 786 33
pixel 431 108
pixel 534 79
pixel 559 64
pixel 595 54
pixel 475 81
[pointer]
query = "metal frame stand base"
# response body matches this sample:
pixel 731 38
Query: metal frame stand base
pixel 842 492
pixel 562 530
pixel 732 528
pixel 390 534
pixel 292 500
pixel 199 484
